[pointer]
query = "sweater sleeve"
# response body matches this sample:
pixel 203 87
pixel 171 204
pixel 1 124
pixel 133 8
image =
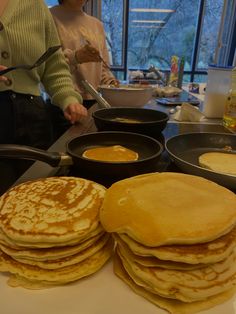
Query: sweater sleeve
pixel 56 78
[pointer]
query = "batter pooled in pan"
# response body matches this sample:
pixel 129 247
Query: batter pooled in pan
pixel 126 120
pixel 115 153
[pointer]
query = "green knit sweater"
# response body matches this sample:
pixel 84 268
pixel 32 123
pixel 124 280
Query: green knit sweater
pixel 27 30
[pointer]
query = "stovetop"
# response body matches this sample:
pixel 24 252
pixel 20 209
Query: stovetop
pixel 164 164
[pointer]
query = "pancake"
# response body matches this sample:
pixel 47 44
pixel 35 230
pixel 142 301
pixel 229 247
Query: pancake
pixel 151 261
pixel 35 277
pixel 187 286
pixel 69 260
pixel 49 254
pixel 171 305
pixel 168 208
pixel 219 162
pixel 205 253
pixel 116 153
pixel 55 211
pixel 42 245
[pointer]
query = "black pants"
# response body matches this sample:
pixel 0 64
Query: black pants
pixel 24 120
pixel 59 123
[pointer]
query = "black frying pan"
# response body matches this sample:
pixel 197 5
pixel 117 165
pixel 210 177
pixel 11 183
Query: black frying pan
pixel 184 150
pixel 149 151
pixel 150 122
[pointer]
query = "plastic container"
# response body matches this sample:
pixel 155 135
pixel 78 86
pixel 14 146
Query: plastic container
pixel 217 88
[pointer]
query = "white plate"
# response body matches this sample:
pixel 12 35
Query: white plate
pixel 102 293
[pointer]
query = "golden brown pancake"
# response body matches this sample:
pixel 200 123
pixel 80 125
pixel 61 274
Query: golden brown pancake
pixel 175 238
pixel 219 162
pixel 171 305
pixel 204 253
pixel 152 261
pixel 187 286
pixel 55 211
pixel 168 208
pixel 38 278
pixel 49 254
pixel 21 245
pixel 50 232
pixel 69 260
pixel 116 153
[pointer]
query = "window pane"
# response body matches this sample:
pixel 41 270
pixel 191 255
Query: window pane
pixel 200 78
pixel 227 51
pixel 119 75
pixel 209 35
pixel 50 3
pixel 112 18
pixel 169 28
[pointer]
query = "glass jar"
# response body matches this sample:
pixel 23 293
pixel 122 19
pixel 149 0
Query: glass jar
pixel 229 118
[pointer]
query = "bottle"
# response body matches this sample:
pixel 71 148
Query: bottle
pixel 181 73
pixel 229 118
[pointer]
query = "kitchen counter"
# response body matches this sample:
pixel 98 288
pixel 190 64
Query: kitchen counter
pixel 40 169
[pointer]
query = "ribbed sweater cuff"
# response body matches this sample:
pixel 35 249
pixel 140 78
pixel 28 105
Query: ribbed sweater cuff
pixel 68 101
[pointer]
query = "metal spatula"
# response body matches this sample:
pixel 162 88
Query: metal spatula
pixel 92 91
pixel 41 59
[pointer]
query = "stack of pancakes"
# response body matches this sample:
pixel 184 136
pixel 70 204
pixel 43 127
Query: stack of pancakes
pixel 50 232
pixel 176 239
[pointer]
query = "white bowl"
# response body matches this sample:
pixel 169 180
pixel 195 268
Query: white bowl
pixel 126 95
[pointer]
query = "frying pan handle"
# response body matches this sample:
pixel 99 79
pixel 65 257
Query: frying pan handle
pixel 54 159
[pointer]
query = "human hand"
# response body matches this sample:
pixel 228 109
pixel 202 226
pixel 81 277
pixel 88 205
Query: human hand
pixel 115 83
pixel 3 78
pixel 75 112
pixel 87 53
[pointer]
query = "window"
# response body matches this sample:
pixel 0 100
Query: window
pixel 210 28
pixel 145 32
pixel 51 3
pixel 157 33
pixel 114 27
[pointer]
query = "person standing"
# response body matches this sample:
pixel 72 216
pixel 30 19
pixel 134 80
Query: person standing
pixel 27 30
pixel 84 44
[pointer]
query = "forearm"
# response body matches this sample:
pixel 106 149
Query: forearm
pixel 57 79
pixel 58 82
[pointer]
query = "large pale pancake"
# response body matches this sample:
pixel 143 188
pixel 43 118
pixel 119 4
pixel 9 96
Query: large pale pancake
pixel 168 208
pixel 69 260
pixel 219 162
pixel 49 254
pixel 41 278
pixel 54 210
pixel 187 286
pixel 151 261
pixel 115 153
pixel 210 252
pixel 171 305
